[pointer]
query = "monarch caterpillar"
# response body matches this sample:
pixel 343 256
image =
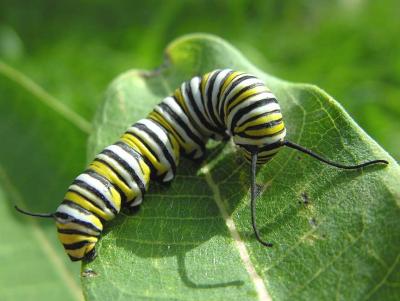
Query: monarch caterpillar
pixel 219 105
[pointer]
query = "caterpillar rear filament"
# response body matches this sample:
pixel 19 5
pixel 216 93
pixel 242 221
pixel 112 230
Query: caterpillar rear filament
pixel 219 105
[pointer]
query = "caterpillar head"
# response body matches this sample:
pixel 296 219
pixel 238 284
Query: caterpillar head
pixel 78 230
pixel 261 137
pixel 77 238
pixel 255 121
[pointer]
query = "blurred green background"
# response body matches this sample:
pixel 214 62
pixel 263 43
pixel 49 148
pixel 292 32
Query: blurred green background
pixel 350 48
pixel 73 49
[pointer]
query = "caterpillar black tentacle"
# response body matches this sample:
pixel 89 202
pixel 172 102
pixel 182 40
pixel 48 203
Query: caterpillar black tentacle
pixel 221 104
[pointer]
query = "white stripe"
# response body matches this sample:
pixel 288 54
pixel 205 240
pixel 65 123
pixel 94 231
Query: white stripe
pixel 92 197
pixel 121 171
pixel 170 102
pixel 257 111
pixel 130 160
pixel 93 182
pixel 196 90
pixel 190 145
pixel 206 100
pixel 239 86
pixel 217 86
pixel 194 87
pixel 224 96
pixel 161 134
pixel 76 214
pixel 259 141
pixel 80 228
pixel 154 147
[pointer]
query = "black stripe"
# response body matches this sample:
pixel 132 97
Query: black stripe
pixel 98 177
pixel 126 167
pixel 247 109
pixel 259 116
pixel 266 147
pixel 76 245
pixel 76 232
pixel 236 81
pixel 190 99
pixel 265 125
pixel 248 97
pixel 73 258
pixel 176 133
pixel 73 220
pixel 178 102
pixel 83 210
pixel 168 134
pixel 153 170
pixel 121 192
pixel 199 114
pixel 210 90
pixel 244 135
pixel 183 125
pixel 86 198
pixel 203 100
pixel 144 143
pixel 106 182
pixel 93 190
pixel 132 152
pixel 129 150
pixel 244 89
pixel 220 100
pixel 271 146
pixel 158 141
pixel 266 156
pixel 76 206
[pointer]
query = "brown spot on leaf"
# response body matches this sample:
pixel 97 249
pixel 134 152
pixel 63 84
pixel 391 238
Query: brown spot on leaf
pixel 305 200
pixel 88 273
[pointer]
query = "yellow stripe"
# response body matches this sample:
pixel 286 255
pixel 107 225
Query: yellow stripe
pixel 90 247
pixel 229 79
pixel 80 253
pixel 105 171
pixel 204 81
pixel 269 153
pixel 131 140
pixel 146 172
pixel 179 96
pixel 115 198
pixel 246 94
pixel 159 118
pixel 144 167
pixel 266 131
pixel 172 133
pixel 73 226
pixel 258 121
pixel 82 202
pixel 74 238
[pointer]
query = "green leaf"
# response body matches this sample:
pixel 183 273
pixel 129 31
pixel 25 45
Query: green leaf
pixel 41 151
pixel 335 232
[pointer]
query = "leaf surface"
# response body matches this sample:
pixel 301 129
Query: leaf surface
pixel 41 150
pixel 335 232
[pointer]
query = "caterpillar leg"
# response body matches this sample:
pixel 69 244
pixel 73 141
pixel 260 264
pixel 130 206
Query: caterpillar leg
pixel 90 256
pixel 132 210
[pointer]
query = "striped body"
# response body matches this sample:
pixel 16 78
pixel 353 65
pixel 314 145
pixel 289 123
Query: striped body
pixel 218 105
